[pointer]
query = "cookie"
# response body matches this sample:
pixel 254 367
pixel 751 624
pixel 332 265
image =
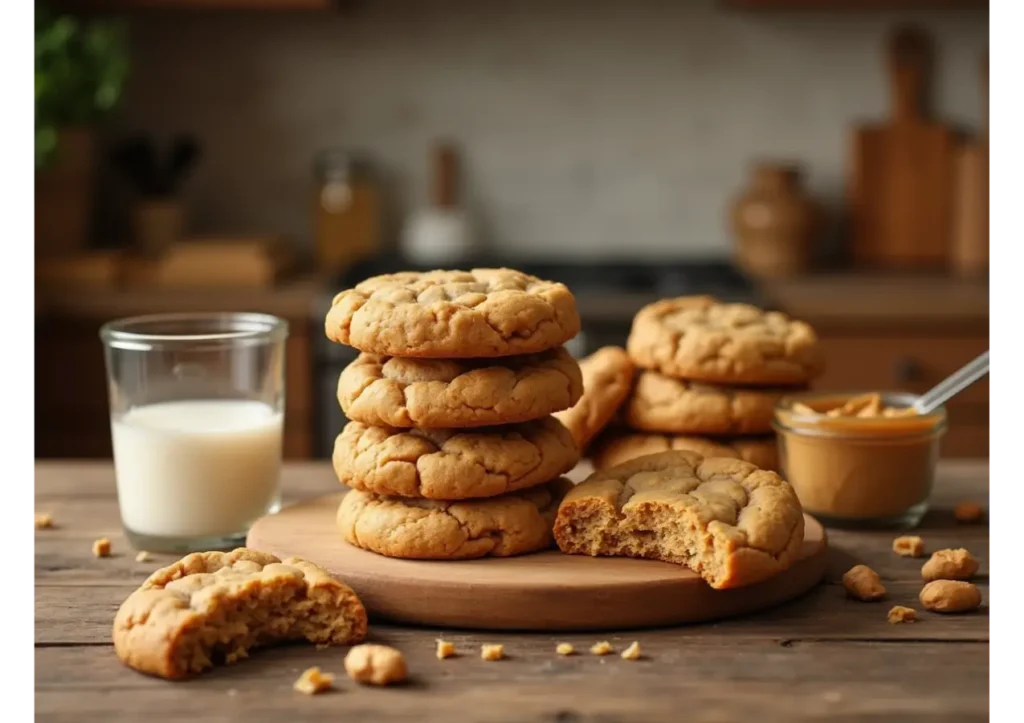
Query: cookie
pixel 614 449
pixel 728 521
pixel 699 338
pixel 512 524
pixel 607 378
pixel 216 606
pixel 664 404
pixel 446 464
pixel 454 314
pixel 452 393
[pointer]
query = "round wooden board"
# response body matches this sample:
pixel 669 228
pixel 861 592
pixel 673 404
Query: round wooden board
pixel 544 591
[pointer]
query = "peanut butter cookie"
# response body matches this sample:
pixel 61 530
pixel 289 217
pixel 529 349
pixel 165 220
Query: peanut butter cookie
pixel 614 449
pixel 607 379
pixel 449 393
pixel 700 338
pixel 513 524
pixel 215 606
pixel 454 314
pixel 445 464
pixel 725 519
pixel 663 404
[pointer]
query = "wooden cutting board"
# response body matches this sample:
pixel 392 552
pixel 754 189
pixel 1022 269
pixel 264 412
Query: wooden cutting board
pixel 545 591
pixel 970 204
pixel 901 174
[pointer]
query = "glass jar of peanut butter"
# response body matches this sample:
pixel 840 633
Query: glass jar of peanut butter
pixel 859 460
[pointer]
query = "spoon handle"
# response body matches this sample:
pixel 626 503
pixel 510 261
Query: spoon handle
pixel 955 383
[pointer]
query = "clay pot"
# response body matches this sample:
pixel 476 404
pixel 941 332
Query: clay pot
pixel 775 223
pixel 65 194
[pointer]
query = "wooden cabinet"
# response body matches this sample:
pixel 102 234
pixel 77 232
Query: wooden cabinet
pixel 197 4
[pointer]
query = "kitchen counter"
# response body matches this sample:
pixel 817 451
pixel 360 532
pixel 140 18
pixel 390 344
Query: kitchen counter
pixel 821 656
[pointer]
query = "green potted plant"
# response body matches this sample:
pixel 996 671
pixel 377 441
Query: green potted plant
pixel 81 67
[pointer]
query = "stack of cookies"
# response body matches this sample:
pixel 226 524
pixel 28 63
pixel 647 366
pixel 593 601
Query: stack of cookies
pixel 451 451
pixel 710 374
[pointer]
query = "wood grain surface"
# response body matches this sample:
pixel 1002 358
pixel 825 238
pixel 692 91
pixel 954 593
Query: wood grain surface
pixel 819 657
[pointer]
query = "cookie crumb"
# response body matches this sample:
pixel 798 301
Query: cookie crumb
pixel 602 648
pixel 492 652
pixel 101 547
pixel 565 649
pixel 863 583
pixel 143 556
pixel 312 682
pixel 232 691
pixel 956 564
pixel 632 652
pixel 908 546
pixel 950 596
pixel 375 665
pixel 968 513
pixel 44 520
pixel 832 696
pixel 902 614
pixel 445 649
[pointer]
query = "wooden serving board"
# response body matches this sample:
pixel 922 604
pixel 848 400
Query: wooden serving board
pixel 545 591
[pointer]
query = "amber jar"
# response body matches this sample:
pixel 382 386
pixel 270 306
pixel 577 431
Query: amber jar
pixel 346 209
pixel 775 223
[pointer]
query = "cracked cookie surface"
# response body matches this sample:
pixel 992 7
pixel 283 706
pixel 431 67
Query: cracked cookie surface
pixel 665 404
pixel 447 464
pixel 512 524
pixel 700 338
pixel 215 606
pixel 607 379
pixel 447 393
pixel 454 314
pixel 614 449
pixel 728 521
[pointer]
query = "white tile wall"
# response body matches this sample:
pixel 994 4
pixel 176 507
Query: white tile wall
pixel 588 127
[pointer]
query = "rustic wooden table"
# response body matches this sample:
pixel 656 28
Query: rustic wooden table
pixel 822 656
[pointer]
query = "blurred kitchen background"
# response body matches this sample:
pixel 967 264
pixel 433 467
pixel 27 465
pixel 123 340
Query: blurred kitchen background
pixel 823 157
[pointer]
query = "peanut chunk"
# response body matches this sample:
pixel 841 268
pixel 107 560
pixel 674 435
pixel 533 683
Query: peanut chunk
pixel 968 513
pixel 602 648
pixel 492 652
pixel 950 565
pixel 803 409
pixel 445 649
pixel 375 665
pixel 950 596
pixel 565 649
pixel 143 556
pixel 313 681
pixel 863 583
pixel 101 547
pixel 902 614
pixel 632 652
pixel 908 546
pixel 44 520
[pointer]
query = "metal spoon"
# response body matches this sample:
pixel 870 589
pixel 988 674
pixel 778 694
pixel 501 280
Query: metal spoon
pixel 955 383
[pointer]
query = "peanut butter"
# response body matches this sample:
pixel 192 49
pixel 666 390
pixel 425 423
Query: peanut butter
pixel 864 458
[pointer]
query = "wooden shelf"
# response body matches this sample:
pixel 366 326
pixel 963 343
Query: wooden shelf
pixel 198 4
pixel 854 5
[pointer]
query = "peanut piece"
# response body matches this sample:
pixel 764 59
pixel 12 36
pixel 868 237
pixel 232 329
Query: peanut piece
pixel 445 649
pixel 950 565
pixel 632 652
pixel 565 649
pixel 950 596
pixel 968 513
pixel 602 648
pixel 492 652
pixel 803 409
pixel 902 614
pixel 44 520
pixel 143 556
pixel 313 681
pixel 908 546
pixel 375 664
pixel 101 547
pixel 863 583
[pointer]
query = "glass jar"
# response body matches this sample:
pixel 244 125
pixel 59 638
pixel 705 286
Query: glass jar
pixel 346 209
pixel 860 472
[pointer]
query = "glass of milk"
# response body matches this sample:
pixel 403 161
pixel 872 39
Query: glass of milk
pixel 196 416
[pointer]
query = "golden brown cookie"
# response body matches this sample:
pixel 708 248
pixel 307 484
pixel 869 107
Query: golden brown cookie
pixel 453 393
pixel 615 449
pixel 454 314
pixel 215 606
pixel 664 404
pixel 445 464
pixel 725 519
pixel 512 524
pixel 702 339
pixel 607 378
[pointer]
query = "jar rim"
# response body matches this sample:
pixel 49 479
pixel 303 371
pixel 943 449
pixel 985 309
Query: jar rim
pixel 152 331
pixel 932 424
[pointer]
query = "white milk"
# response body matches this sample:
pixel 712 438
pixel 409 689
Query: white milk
pixel 197 468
